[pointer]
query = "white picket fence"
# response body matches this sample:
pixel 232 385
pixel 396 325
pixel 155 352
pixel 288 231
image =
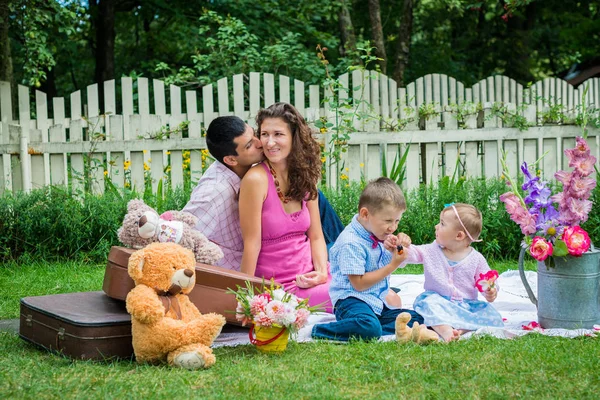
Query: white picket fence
pixel 128 144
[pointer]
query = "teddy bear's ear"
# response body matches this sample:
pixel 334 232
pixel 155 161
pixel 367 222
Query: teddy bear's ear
pixel 135 204
pixel 135 266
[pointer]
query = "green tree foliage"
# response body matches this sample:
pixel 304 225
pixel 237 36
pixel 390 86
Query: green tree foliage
pixel 53 42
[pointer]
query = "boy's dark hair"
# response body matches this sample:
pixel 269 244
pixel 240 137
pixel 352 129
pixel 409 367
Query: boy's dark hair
pixel 380 193
pixel 220 135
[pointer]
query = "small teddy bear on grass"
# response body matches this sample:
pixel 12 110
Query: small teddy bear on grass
pixel 418 333
pixel 165 324
pixel 142 226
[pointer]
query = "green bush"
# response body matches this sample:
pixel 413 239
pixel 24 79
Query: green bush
pixel 51 223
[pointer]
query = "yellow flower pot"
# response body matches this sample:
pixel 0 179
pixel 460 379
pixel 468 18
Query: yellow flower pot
pixel 269 340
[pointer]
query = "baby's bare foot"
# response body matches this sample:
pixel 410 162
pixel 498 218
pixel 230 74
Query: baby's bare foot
pixel 447 333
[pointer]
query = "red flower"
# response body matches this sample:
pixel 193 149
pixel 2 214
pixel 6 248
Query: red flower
pixel 532 326
pixel 540 248
pixel 486 281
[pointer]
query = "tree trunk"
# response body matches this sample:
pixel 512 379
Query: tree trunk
pixel 404 38
pixel 105 45
pixel 377 33
pixel 6 67
pixel 348 38
pixel 48 86
pixel 518 65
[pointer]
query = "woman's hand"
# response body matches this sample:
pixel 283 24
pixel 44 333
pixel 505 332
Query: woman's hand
pixel 311 279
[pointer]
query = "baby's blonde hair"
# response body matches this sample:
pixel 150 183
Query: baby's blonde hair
pixel 470 217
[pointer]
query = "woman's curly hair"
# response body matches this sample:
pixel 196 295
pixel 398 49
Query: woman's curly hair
pixel 304 161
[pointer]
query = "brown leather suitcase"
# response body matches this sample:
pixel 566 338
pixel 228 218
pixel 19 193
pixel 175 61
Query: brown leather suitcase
pixel 88 326
pixel 209 295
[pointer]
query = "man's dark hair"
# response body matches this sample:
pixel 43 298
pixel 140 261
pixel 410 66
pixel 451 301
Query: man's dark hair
pixel 220 135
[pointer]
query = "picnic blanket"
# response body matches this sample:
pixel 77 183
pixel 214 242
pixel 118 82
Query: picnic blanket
pixel 512 303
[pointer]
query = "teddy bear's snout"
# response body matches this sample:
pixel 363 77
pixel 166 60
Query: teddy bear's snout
pixel 188 272
pixel 142 221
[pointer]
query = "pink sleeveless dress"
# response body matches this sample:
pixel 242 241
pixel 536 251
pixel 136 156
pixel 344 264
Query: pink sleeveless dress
pixel 285 251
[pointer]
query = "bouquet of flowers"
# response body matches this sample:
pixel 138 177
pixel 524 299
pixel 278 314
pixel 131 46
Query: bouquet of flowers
pixel 549 222
pixel 271 307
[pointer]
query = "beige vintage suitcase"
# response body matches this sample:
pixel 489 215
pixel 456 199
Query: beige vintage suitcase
pixel 209 295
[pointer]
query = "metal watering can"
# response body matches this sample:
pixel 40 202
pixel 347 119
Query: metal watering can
pixel 569 293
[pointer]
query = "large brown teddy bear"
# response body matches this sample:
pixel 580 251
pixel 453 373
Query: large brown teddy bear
pixel 142 226
pixel 166 325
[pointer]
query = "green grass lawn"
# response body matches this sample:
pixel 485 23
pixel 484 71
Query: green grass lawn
pixel 534 366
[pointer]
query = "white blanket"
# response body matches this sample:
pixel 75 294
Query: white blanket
pixel 512 303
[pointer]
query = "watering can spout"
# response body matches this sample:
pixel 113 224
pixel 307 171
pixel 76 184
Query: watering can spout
pixel 524 279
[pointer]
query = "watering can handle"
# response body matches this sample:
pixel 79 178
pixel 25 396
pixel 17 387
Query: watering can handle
pixel 524 279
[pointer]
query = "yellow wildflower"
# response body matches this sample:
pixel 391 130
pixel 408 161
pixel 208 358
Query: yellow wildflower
pixel 144 151
pixel 149 160
pixel 344 177
pixel 127 184
pixel 105 172
pixel 126 165
pixel 362 165
pixel 168 152
pixel 323 130
pixel 146 167
pixel 323 159
pixel 347 169
pixel 204 152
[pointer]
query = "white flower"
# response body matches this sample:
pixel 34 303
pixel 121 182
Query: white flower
pixel 278 294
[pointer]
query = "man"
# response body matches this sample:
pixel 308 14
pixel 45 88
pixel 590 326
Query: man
pixel 214 200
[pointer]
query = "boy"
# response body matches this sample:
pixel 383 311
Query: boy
pixel 360 268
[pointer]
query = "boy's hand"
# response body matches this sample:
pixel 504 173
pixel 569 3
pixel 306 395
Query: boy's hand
pixel 390 243
pixel 490 294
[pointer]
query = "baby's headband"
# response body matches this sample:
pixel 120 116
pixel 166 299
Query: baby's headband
pixel 461 223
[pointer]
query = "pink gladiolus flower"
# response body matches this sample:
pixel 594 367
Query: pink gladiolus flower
pixel 578 209
pixel 581 149
pixel 563 177
pixel 518 213
pixel 577 240
pixel 511 201
pixel 584 166
pixel 486 281
pixel 540 249
pixel 582 187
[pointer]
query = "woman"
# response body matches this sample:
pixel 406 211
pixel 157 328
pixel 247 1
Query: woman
pixel 279 211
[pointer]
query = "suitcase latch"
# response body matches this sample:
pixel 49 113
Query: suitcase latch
pixel 28 320
pixel 61 333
